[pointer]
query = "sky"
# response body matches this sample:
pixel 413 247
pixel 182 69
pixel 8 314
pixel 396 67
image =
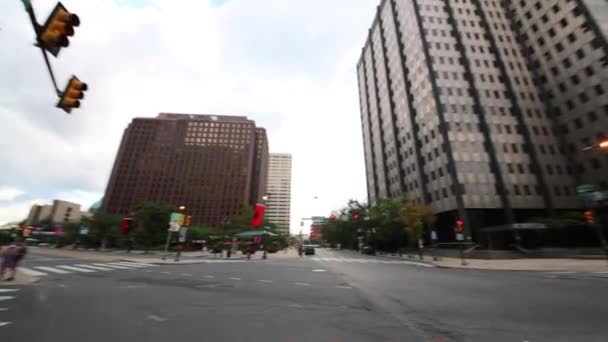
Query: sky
pixel 290 65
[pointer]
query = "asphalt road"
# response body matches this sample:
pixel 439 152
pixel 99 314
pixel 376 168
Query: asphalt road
pixel 332 296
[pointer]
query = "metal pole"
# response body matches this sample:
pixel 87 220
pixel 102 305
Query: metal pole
pixel 463 262
pixel 167 244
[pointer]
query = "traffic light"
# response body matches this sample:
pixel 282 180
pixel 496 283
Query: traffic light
pixel 53 35
pixel 459 226
pixel 73 93
pixel 356 216
pixel 188 222
pixel 589 217
pixel 126 225
pixel 332 217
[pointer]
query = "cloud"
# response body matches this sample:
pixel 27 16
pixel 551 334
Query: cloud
pixel 9 194
pixel 288 64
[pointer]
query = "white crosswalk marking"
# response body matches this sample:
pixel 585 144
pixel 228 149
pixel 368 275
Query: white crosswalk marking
pixel 6 298
pixel 316 259
pixel 77 269
pixel 138 264
pixel 120 267
pixel 130 264
pixel 30 272
pixel 4 323
pixel 8 290
pixel 51 269
pixel 94 267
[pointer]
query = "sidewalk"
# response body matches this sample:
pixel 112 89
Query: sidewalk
pixel 549 265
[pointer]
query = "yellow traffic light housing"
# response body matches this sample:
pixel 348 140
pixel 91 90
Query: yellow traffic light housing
pixel 53 35
pixel 188 221
pixel 73 93
pixel 589 217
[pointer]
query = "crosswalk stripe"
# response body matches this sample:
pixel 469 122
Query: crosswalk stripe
pixel 601 272
pixel 325 259
pixel 77 269
pixel 94 267
pixel 4 323
pixel 120 267
pixel 6 298
pixel 51 269
pixel 141 263
pixel 8 290
pixel 30 272
pixel 131 264
pixel 316 259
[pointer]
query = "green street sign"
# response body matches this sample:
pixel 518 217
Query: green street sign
pixel 319 219
pixel 583 188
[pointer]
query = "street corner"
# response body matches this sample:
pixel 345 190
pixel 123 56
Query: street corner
pixel 21 278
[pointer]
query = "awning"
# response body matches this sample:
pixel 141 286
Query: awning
pixel 514 226
pixel 254 233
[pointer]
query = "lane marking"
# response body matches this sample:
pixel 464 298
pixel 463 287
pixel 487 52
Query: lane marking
pixel 6 298
pixel 52 269
pixel 319 270
pixel 30 272
pixel 235 278
pixel 5 323
pixel 186 274
pixel 209 276
pixel 8 290
pixel 316 259
pixel 113 266
pixel 77 269
pixel 95 267
pixel 343 287
pixel 149 271
pixel 3 309
pixel 265 281
pixel 600 272
pixel 165 272
pixel 302 284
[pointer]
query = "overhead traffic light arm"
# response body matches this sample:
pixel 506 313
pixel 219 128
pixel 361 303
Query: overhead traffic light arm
pixel 37 28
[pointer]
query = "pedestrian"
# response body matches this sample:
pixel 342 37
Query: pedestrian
pixel 9 262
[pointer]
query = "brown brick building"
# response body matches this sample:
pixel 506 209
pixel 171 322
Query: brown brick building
pixel 212 164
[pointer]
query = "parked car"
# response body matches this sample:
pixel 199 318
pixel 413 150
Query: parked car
pixel 369 250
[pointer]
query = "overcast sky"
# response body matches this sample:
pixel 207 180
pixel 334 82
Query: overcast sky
pixel 287 64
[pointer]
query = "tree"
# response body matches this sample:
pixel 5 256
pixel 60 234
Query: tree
pixel 104 227
pixel 152 221
pixel 240 222
pixel 415 217
pixel 385 217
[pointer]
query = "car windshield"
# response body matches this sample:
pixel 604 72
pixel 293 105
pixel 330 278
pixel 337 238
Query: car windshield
pixel 303 170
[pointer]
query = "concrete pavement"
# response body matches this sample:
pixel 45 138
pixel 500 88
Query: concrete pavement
pixel 331 296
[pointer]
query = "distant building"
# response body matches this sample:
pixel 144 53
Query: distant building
pixel 211 164
pixel 278 204
pixel 58 212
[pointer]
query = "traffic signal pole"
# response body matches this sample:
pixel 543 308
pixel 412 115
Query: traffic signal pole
pixel 30 11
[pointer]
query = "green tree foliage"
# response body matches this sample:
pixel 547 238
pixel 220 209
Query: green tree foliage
pixel 563 220
pixel 104 228
pixel 240 222
pixel 152 221
pixel 415 217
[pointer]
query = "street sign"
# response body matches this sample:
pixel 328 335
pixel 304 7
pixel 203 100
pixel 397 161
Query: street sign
pixel 583 188
pixel 175 222
pixel 319 219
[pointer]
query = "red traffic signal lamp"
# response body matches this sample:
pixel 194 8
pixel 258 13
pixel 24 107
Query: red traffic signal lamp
pixel 459 226
pixel 53 35
pixel 73 93
pixel 332 217
pixel 356 216
pixel 126 225
pixel 589 217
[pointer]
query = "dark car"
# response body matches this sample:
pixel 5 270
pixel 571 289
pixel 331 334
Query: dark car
pixel 369 250
pixel 308 249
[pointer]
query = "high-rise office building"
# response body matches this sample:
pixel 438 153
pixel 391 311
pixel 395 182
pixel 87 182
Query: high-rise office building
pixel 278 203
pixel 453 114
pixel 211 164
pixel 565 43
